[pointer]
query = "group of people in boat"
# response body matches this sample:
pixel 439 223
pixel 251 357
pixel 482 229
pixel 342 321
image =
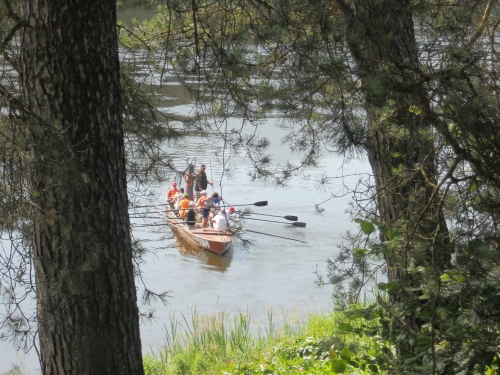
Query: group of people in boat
pixel 193 202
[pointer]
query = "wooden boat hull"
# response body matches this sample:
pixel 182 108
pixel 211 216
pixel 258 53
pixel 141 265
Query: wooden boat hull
pixel 208 239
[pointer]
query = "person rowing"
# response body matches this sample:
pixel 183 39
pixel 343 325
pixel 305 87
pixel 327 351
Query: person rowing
pixel 220 221
pixel 184 206
pixel 171 192
pixel 176 200
pixel 191 216
pixel 230 215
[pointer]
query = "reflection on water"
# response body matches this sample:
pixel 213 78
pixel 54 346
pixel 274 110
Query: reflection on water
pixel 214 261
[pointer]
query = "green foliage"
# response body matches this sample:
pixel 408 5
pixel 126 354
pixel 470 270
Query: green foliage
pixel 318 346
pixel 153 366
pixel 458 307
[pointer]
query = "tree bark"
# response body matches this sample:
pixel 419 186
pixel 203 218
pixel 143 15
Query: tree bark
pixel 382 42
pixel 86 298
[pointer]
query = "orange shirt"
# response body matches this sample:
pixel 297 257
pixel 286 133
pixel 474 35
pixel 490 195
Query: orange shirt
pixel 199 204
pixel 184 206
pixel 171 193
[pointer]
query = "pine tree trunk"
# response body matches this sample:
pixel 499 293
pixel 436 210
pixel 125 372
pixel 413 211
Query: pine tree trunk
pixel 87 307
pixel 382 41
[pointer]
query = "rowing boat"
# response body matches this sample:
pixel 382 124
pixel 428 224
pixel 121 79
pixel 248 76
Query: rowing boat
pixel 206 238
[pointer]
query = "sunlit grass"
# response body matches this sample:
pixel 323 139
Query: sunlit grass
pixel 221 344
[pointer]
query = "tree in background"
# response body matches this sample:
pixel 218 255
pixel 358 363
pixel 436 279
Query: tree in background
pixel 64 182
pixel 410 84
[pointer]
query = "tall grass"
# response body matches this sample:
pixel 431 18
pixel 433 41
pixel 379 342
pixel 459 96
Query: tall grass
pixel 220 344
pixel 205 341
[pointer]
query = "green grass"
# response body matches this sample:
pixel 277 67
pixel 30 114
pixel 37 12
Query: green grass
pixel 326 343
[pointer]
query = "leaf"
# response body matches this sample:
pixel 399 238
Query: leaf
pixel 367 227
pixel 352 315
pixel 390 234
pixel 388 286
pixel 333 353
pixel 373 369
pixel 85 178
pixel 414 109
pixel 445 277
pixel 345 354
pixel 359 252
pixel 354 364
pixel 358 220
pixel 383 228
pixel 423 343
pixel 473 187
pixel 368 315
pixel 345 327
pixel 338 366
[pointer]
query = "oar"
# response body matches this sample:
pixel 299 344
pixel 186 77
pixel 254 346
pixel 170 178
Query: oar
pixel 288 217
pixel 168 221
pixel 144 217
pixel 148 225
pixel 152 212
pixel 258 204
pixel 273 235
pixel 150 205
pixel 295 224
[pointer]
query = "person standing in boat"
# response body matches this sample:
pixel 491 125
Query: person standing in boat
pixel 207 203
pixel 191 216
pixel 201 181
pixel 220 221
pixel 171 192
pixel 189 181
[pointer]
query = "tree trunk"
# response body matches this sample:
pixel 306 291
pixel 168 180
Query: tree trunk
pixel 382 41
pixel 87 306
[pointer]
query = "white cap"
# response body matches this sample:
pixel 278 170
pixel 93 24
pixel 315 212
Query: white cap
pixel 204 192
pixel 191 203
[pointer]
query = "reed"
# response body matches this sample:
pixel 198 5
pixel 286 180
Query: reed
pixel 220 344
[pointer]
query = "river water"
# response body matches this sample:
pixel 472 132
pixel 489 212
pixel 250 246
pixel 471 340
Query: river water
pixel 271 275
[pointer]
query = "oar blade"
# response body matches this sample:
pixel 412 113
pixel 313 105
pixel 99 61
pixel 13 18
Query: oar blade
pixel 287 217
pixel 298 224
pixel 260 204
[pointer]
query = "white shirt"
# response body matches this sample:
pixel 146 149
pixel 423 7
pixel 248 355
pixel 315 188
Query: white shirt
pixel 178 198
pixel 220 222
pixel 229 216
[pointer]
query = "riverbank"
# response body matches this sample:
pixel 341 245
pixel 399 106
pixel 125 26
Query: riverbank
pixel 326 343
